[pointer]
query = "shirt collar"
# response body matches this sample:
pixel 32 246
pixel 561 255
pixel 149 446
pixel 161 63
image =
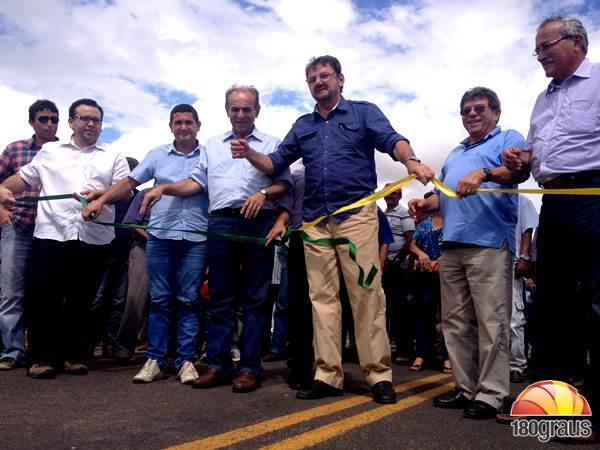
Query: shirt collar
pixel 31 142
pixel 255 135
pixel 342 105
pixel 174 150
pixel 490 135
pixel 583 71
pixel 97 145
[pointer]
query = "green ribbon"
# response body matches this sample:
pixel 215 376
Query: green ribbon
pixel 324 242
pixel 331 242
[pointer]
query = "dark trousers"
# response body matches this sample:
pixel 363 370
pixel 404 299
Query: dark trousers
pixel 400 321
pixel 426 304
pixel 300 313
pixel 64 278
pixel 566 322
pixel 252 266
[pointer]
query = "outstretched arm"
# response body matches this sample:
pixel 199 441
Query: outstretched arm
pixel 403 152
pixel 183 188
pixel 241 149
pixel 118 192
pixel 12 185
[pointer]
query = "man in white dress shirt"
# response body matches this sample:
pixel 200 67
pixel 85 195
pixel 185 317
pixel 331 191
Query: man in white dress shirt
pixel 68 253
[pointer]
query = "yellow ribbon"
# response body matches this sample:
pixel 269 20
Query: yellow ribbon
pixel 448 192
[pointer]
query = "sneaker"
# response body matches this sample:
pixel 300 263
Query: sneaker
pixel 149 373
pixel 8 363
pixel 235 354
pixel 187 373
pixel 41 371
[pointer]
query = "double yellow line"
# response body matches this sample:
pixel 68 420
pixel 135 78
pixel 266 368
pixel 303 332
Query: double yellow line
pixel 328 431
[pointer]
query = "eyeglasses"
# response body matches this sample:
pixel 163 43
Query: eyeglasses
pixel 44 119
pixel 548 45
pixel 478 109
pixel 88 119
pixel 325 76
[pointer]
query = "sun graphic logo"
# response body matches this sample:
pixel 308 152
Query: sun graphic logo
pixel 551 398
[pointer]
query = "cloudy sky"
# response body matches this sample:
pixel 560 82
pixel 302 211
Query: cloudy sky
pixel 138 59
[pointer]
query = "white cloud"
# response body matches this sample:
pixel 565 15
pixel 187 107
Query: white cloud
pixel 414 59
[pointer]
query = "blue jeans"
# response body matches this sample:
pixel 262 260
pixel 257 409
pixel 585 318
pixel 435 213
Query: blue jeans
pixel 16 251
pixel 175 270
pixel 239 273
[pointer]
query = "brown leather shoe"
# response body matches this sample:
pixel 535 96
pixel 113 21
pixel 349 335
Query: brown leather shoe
pixel 245 382
pixel 211 378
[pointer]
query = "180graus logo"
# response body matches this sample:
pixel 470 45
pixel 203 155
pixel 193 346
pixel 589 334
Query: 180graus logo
pixel 560 409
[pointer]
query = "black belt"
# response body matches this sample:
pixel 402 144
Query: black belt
pixel 589 178
pixel 236 212
pixel 226 212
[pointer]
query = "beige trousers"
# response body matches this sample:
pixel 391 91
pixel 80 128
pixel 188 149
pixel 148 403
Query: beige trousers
pixel 324 266
pixel 476 285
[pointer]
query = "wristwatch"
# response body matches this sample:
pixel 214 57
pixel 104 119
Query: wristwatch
pixel 413 158
pixel 488 175
pixel 265 193
pixel 525 257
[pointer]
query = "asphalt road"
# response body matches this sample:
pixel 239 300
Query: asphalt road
pixel 105 410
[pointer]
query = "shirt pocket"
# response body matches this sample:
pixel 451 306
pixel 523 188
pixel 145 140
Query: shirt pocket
pixel 580 116
pixel 351 132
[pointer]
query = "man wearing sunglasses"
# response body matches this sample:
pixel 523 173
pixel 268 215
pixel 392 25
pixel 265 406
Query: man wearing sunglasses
pixel 68 254
pixel 17 232
pixel 563 152
pixel 477 258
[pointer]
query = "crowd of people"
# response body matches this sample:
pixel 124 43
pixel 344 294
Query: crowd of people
pixel 507 305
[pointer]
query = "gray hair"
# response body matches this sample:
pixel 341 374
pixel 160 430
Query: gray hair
pixel 242 88
pixel 481 92
pixel 571 27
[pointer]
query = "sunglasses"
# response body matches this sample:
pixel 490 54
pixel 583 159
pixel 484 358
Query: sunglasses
pixel 467 109
pixel 44 119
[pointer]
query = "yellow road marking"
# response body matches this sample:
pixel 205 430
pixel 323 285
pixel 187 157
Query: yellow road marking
pixel 335 429
pixel 268 426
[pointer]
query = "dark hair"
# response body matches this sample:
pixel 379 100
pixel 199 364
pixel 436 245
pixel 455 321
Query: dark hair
pixel 571 27
pixel 87 102
pixel 40 105
pixel 481 92
pixel 184 108
pixel 242 88
pixel 324 60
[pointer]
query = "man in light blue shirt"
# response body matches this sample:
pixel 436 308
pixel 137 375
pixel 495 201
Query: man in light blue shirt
pixel 477 259
pixel 241 203
pixel 175 258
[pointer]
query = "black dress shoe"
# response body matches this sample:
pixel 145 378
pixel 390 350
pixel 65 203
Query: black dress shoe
pixel 479 410
pixel 383 392
pixel 455 399
pixel 319 389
